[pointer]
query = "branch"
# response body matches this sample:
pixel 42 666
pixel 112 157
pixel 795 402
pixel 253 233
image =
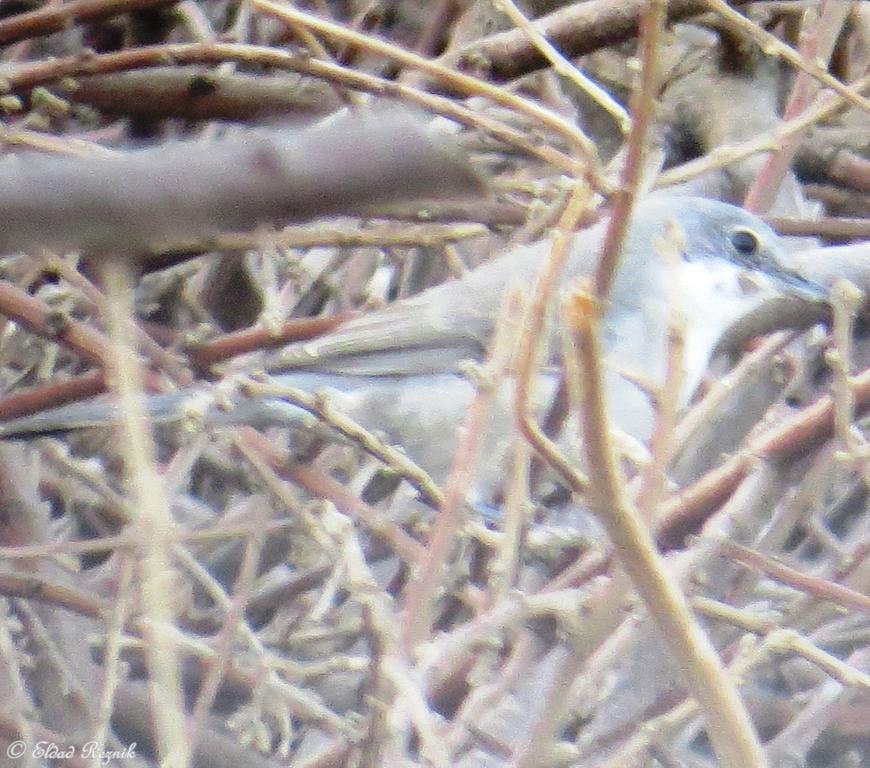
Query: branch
pixel 575 30
pixel 176 191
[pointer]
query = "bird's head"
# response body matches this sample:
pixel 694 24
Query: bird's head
pixel 715 230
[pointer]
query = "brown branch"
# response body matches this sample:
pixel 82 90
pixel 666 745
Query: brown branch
pixel 37 317
pixel 51 395
pixel 128 202
pixel 56 18
pixel 36 587
pixel 575 30
pixel 201 94
pixel 830 228
pixel 850 169
pixel 792 438
pixel 821 589
pixel 203 356
pixel 27 76
pixel 275 465
pixel 580 144
pixel 817 44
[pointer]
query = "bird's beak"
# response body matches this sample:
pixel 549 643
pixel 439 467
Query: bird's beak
pixel 792 282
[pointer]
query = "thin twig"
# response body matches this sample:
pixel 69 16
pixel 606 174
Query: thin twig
pixel 827 105
pixel 728 724
pixel 562 66
pixel 154 525
pixel 820 36
pixel 57 18
pixel 528 361
pixel 773 46
pixel 471 86
pixel 26 76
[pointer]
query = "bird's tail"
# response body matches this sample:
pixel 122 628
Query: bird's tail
pixel 201 407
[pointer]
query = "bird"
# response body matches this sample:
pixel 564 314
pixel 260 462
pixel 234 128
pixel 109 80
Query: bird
pixel 398 371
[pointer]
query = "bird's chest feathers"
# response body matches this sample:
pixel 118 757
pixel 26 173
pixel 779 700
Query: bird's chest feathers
pixel 711 295
pixel 701 298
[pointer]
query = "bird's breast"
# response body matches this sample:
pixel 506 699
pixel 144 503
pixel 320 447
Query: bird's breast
pixel 710 296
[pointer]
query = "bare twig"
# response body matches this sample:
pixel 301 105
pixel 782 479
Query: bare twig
pixel 27 76
pixel 56 18
pixel 562 66
pixel 826 106
pixel 469 85
pixel 728 725
pixel 576 29
pixel 528 361
pixel 820 36
pixel 154 527
pixel 320 407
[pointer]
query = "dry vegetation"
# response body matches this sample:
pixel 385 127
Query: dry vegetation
pixel 229 597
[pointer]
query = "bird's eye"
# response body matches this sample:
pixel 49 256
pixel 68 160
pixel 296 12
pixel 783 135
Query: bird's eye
pixel 745 242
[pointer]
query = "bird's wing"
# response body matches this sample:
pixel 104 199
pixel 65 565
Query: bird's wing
pixel 430 333
pixel 436 330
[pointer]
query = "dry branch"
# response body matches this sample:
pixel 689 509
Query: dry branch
pixel 133 201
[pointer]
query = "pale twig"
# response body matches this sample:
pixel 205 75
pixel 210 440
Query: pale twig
pixel 773 46
pixel 777 641
pixel 527 364
pixel 26 76
pixel 846 300
pixel 378 235
pixel 716 396
pixel 379 616
pixel 318 50
pixel 791 641
pixel 154 525
pixel 265 458
pixel 164 360
pixel 421 592
pixel 514 519
pixel 112 675
pixel 564 67
pixel 110 543
pixel 631 175
pixel 819 37
pixel 576 28
pixel 18 704
pixel 669 248
pixel 490 693
pixel 320 407
pixel 828 104
pixel 225 642
pixel 729 726
pixel 54 145
pixel 471 86
pixel 298 701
